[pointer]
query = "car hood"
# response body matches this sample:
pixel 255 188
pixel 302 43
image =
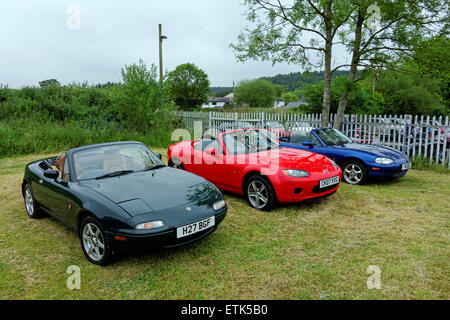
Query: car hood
pixel 290 158
pixel 375 150
pixel 154 190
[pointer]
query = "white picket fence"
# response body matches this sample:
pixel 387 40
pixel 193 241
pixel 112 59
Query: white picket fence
pixel 416 136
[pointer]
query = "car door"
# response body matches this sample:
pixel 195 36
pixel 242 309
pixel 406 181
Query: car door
pixel 213 165
pixel 60 200
pixel 196 164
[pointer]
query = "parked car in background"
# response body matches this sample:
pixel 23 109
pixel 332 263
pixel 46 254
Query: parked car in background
pixel 252 163
pixel 358 161
pixel 120 196
pixel 277 128
pixel 214 130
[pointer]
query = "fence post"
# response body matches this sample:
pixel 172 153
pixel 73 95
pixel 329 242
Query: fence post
pixel 405 125
pixel 210 119
pixel 262 119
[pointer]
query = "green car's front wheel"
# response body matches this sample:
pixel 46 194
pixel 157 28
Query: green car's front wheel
pixel 94 243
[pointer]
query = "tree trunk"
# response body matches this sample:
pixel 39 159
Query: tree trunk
pixel 328 54
pixel 353 69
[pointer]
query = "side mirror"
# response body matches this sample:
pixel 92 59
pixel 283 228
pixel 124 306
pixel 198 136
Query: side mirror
pixel 51 174
pixel 211 151
pixel 159 156
pixel 309 144
pixel 284 139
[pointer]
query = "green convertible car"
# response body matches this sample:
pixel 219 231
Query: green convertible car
pixel 120 196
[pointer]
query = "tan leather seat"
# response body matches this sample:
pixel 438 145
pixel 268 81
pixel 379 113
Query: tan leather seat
pixel 59 163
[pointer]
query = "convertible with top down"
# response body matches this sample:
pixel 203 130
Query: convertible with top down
pixel 120 196
pixel 251 162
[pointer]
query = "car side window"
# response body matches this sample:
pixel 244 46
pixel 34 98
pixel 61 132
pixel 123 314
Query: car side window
pixel 299 138
pixel 215 144
pixel 202 144
pixel 65 173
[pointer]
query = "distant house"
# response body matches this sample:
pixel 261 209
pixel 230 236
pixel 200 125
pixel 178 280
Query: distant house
pixel 279 103
pixel 214 102
pixel 230 95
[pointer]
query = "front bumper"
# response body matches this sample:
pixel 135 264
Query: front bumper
pixel 154 240
pixel 392 170
pixel 291 189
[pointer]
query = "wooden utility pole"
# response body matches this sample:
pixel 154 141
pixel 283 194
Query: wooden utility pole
pixel 160 38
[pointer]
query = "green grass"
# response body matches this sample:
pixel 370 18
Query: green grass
pixel 315 250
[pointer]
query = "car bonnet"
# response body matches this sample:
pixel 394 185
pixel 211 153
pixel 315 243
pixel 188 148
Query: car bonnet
pixel 154 190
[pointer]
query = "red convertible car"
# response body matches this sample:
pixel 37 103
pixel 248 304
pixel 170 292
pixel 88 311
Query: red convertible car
pixel 252 163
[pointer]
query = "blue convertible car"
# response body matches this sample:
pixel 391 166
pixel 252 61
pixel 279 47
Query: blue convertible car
pixel 358 161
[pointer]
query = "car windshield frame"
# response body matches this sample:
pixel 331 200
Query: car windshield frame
pixel 246 148
pixel 332 136
pixel 153 160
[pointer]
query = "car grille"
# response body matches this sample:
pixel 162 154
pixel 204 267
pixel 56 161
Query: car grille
pixel 193 237
pixel 317 188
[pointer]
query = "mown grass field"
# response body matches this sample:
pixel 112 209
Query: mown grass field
pixel 314 250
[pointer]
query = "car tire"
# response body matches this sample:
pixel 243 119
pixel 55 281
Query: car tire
pixel 31 205
pixel 260 193
pixel 93 238
pixel 176 164
pixel 354 172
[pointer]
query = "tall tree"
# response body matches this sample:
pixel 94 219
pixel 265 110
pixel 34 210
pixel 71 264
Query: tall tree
pixel 257 93
pixel 384 32
pixel 189 85
pixel 298 32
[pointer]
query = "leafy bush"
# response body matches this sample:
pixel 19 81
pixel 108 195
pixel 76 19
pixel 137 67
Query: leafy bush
pixel 255 93
pixel 53 118
pixel 188 85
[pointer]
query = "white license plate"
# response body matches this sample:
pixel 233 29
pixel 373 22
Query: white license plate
pixel 406 166
pixel 195 227
pixel 329 182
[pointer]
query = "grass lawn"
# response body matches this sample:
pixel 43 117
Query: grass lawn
pixel 315 250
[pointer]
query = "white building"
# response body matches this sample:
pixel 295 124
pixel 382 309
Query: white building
pixel 279 103
pixel 218 103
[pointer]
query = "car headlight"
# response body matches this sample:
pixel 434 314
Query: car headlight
pixel 219 204
pixel 150 225
pixel 384 161
pixel 296 173
pixel 334 164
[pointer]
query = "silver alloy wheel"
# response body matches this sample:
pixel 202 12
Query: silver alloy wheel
pixel 93 242
pixel 257 194
pixel 353 173
pixel 29 201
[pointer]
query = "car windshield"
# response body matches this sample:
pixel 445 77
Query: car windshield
pixel 249 141
pixel 331 136
pixel 113 160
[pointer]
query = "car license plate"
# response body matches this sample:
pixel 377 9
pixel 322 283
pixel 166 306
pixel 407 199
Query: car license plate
pixel 406 166
pixel 195 227
pixel 329 182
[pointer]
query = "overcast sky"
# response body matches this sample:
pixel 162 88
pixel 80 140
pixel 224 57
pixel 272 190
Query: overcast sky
pixel 38 44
